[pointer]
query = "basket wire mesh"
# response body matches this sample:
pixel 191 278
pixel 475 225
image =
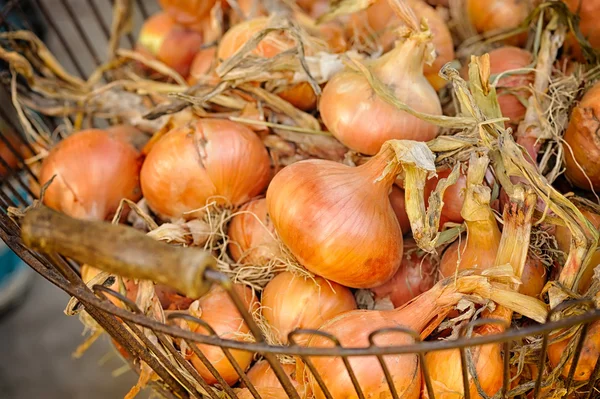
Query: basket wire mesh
pixel 78 32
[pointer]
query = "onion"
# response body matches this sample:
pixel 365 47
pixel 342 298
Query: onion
pixel 163 39
pixel 202 66
pixel 290 302
pixel 588 356
pixel 581 144
pixel 6 154
pixel 587 10
pixel 337 220
pixel 190 13
pixel 301 95
pixel 252 235
pixel 203 160
pixel 111 172
pixel 217 309
pixel 422 315
pixel 499 15
pixel 512 89
pixel 261 375
pixel 454 197
pixel 399 206
pixel 380 19
pixel 534 277
pixel 415 276
pixel 362 120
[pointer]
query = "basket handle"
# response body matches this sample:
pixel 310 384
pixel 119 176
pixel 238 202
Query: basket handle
pixel 118 249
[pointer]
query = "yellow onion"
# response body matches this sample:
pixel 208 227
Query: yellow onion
pixel 512 89
pixel 454 196
pixel 380 19
pixel 300 95
pixel 190 13
pixel 498 15
pixel 208 159
pixel 217 309
pixel 252 235
pixel 399 206
pixel 581 144
pixel 416 274
pixel 261 375
pixel 337 220
pixel 588 356
pixel 94 171
pixel 174 45
pixel 202 68
pixel 362 120
pixel 290 302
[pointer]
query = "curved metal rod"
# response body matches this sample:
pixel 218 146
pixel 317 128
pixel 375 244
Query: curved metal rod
pixel 308 363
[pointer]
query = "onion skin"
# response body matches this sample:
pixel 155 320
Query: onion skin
pixel 508 58
pixel 252 235
pixel 337 220
pixel 93 192
pixel 362 121
pixel 6 154
pixel 415 276
pixel 588 24
pixel 204 159
pixel 398 202
pixel 588 358
pixel 220 313
pixel 163 39
pixel 291 302
pixel 497 15
pixel 580 138
pixel 534 277
pixel 187 12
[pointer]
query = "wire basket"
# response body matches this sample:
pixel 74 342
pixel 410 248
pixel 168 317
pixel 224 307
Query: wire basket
pixel 78 32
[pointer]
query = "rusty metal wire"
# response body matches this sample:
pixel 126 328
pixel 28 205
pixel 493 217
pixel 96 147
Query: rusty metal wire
pixel 178 378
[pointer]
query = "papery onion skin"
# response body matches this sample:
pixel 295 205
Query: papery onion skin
pixel 498 15
pixel 416 274
pixel 587 11
pixel 220 313
pixel 398 201
pixel 588 357
pixel 581 144
pixel 511 87
pixel 187 12
pixel 252 235
pixel 163 39
pixel 94 171
pixel 295 302
pixel 206 158
pixel 337 220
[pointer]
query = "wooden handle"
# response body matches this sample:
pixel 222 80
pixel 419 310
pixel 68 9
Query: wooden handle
pixel 118 249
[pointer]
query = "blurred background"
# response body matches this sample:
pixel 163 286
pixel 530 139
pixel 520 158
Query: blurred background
pixel 37 339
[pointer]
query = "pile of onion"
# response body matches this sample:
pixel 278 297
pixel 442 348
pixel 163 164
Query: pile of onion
pixel 581 144
pixel 360 118
pixel 111 173
pixel 205 160
pixel 252 235
pixel 217 309
pixel 162 38
pixel 337 220
pixel 292 302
